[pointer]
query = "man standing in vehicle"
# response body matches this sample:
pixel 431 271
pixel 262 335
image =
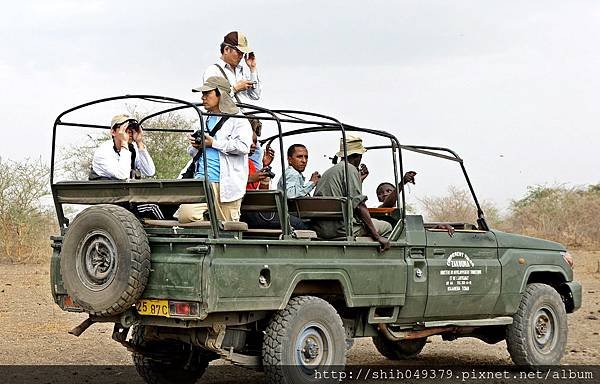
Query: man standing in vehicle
pixel 245 84
pixel 227 145
pixel 333 183
pixel 296 186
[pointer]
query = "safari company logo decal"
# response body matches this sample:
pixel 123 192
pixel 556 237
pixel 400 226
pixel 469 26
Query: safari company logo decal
pixel 459 276
pixel 459 260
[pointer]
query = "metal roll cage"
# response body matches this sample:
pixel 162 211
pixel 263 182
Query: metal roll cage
pixel 310 119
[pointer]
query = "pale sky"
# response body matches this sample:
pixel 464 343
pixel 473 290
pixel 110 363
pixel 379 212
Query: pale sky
pixel 509 85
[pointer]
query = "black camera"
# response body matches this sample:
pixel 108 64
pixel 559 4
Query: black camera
pixel 197 135
pixel 267 171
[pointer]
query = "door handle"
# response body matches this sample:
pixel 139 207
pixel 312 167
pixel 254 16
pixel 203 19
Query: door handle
pixel 417 253
pixel 439 252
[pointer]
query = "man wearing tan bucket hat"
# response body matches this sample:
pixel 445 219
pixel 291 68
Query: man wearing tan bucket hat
pixel 227 145
pixel 333 183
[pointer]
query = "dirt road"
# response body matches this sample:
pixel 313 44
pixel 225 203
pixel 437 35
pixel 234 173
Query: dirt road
pixel 34 332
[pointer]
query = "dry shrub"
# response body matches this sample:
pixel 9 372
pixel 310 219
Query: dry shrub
pixel 458 206
pixel 168 149
pixel 75 162
pixel 25 223
pixel 566 215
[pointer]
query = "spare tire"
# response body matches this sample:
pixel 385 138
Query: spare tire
pixel 105 260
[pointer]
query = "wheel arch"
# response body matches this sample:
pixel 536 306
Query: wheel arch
pixel 319 284
pixel 555 277
pixel 547 274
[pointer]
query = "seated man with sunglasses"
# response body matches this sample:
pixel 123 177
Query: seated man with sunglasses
pixel 125 157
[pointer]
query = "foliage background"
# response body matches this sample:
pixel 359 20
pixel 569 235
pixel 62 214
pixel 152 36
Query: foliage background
pixel 565 214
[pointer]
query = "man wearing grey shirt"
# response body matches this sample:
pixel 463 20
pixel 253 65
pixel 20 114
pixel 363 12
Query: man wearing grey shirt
pixel 296 186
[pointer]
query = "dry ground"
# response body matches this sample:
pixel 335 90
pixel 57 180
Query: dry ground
pixel 34 332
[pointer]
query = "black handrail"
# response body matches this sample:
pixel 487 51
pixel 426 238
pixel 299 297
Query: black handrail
pixel 58 206
pixel 313 124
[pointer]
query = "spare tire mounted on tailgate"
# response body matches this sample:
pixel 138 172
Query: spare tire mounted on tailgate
pixel 105 260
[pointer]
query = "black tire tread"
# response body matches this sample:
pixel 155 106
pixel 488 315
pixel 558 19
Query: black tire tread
pixel 140 260
pixel 275 334
pixel 397 350
pixel 149 369
pixel 516 337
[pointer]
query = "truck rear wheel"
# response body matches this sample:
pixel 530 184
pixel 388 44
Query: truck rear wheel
pixel 399 350
pixel 538 334
pixel 167 361
pixel 307 336
pixel 105 260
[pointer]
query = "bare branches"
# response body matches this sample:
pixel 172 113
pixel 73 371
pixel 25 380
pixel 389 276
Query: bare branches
pixel 25 223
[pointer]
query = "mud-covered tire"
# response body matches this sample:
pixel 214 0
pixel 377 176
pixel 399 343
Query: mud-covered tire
pixel 538 334
pixel 105 260
pixel 184 365
pixel 399 350
pixel 307 335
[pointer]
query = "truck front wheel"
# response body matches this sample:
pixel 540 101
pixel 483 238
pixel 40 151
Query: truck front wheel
pixel 399 350
pixel 307 336
pixel 538 334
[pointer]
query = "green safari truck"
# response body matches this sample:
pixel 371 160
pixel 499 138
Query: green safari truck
pixel 285 301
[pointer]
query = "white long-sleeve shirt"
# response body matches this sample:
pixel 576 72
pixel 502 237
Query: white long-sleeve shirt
pixel 240 73
pixel 117 165
pixel 233 142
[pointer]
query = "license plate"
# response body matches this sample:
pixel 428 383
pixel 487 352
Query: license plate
pixel 153 307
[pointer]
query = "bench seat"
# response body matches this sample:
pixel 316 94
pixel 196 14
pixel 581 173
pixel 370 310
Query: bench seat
pixel 237 226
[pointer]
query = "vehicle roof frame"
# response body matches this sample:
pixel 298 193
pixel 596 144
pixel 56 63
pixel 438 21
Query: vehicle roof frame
pixel 395 147
pixel 58 122
pixel 279 116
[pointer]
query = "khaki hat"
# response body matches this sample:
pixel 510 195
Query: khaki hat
pixel 238 40
pixel 354 145
pixel 120 119
pixel 226 103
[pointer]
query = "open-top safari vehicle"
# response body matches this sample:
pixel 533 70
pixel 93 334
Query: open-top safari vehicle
pixel 286 301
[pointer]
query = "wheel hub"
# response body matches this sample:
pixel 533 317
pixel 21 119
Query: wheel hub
pixel 541 328
pixel 544 329
pixel 96 260
pixel 311 349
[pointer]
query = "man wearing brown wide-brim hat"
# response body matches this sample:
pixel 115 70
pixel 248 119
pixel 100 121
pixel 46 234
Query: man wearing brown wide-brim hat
pixel 333 183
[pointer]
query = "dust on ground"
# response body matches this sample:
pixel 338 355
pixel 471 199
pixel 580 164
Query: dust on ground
pixel 34 332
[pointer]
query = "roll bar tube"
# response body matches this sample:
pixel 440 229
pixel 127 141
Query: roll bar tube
pixel 57 122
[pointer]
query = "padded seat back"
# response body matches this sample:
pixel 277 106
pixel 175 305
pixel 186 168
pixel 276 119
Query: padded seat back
pixel 262 201
pixel 318 208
